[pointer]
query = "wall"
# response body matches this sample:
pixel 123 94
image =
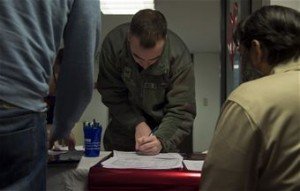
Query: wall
pixel 207 68
pixel 294 4
pixel 197 23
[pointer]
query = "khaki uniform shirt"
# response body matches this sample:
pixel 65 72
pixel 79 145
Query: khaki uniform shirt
pixel 162 95
pixel 256 145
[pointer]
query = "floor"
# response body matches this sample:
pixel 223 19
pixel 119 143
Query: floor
pixel 55 180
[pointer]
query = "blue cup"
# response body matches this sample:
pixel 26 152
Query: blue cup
pixel 92 139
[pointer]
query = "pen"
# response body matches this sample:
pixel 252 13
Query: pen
pixel 153 130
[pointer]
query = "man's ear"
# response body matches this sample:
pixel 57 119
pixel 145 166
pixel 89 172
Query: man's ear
pixel 256 50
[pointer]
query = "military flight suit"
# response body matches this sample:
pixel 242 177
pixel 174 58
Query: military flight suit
pixel 162 95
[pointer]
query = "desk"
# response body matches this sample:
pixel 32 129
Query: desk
pixel 55 176
pixel 74 177
pixel 71 176
pixel 104 179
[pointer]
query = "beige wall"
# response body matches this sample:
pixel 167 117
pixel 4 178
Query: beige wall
pixel 294 4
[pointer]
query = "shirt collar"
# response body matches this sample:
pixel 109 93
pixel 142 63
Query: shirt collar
pixel 292 65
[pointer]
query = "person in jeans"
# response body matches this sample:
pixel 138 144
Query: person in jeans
pixel 31 33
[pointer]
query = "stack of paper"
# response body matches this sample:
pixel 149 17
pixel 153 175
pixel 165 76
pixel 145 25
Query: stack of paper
pixel 194 165
pixel 133 160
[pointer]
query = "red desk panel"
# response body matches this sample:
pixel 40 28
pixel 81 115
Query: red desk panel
pixel 104 179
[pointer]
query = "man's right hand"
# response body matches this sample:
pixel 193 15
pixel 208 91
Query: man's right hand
pixel 145 142
pixel 141 130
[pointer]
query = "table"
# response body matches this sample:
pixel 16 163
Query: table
pixel 71 176
pixel 105 179
pixel 74 176
pixel 55 176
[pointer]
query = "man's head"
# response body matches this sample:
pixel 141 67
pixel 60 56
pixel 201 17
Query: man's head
pixel 147 36
pixel 269 36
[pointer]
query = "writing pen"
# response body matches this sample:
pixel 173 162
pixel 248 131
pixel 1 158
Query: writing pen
pixel 153 130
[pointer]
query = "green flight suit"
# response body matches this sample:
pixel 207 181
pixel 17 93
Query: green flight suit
pixel 162 95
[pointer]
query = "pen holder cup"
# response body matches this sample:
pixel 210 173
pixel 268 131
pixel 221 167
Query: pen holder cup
pixel 92 140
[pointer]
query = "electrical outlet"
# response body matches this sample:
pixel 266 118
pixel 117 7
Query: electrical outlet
pixel 205 101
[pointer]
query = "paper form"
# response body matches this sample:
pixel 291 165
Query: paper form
pixel 125 160
pixel 87 162
pixel 195 165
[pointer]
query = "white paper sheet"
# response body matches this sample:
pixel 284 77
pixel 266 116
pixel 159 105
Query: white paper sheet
pixel 194 165
pixel 125 160
pixel 87 162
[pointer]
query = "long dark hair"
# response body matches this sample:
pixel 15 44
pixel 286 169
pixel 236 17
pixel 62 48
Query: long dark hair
pixel 277 29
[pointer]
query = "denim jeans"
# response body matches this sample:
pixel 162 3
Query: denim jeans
pixel 23 150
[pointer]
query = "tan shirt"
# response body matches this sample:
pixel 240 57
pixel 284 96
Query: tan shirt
pixel 256 145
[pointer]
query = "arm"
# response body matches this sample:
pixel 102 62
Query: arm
pixel 180 109
pixel 233 157
pixel 75 84
pixel 113 90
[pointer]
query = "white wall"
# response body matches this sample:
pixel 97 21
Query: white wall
pixel 207 69
pixel 294 4
pixel 197 23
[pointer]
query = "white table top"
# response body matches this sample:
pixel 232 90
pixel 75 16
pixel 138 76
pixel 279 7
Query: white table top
pixel 74 179
pixel 86 163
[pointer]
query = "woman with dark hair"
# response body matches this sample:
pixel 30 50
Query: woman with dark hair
pixel 256 144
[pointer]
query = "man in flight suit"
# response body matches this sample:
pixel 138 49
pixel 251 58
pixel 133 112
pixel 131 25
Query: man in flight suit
pixel 146 79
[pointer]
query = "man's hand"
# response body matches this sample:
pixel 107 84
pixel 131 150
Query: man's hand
pixel 145 142
pixel 142 130
pixel 69 141
pixel 149 145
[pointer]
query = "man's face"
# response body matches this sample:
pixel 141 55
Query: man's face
pixel 145 57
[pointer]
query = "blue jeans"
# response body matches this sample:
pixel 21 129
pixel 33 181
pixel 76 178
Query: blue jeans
pixel 23 151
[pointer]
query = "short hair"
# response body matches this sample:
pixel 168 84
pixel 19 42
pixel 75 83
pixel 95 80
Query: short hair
pixel 150 26
pixel 277 29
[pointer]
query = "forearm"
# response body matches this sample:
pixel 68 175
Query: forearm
pixel 180 110
pixel 175 127
pixel 75 84
pixel 71 102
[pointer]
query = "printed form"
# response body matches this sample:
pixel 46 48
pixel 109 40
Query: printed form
pixel 126 160
pixel 194 165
